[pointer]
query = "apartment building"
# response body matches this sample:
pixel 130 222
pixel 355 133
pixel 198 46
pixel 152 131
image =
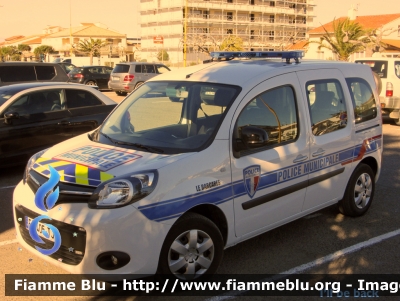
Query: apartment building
pixel 262 25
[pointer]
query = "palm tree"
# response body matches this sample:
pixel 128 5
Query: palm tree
pixel 7 52
pixel 43 49
pixel 231 43
pixel 24 47
pixel 91 47
pixel 346 39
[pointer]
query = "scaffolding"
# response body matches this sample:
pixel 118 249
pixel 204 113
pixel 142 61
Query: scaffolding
pixel 261 24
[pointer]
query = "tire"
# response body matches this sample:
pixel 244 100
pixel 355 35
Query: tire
pixel 174 99
pixel 119 93
pixel 186 260
pixel 90 83
pixel 359 192
pixel 138 84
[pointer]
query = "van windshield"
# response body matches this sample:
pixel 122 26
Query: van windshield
pixel 169 117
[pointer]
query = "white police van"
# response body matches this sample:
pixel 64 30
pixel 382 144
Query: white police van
pixel 248 143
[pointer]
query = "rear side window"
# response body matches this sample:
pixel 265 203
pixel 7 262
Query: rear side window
pixel 363 99
pixel 138 69
pixel 148 69
pixel 95 70
pixel 45 72
pixel 327 106
pixel 81 98
pixel 120 68
pixel 17 73
pixel 379 67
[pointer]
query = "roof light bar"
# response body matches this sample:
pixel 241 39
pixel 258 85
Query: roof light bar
pixel 229 55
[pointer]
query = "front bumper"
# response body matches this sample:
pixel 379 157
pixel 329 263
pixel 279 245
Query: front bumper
pixel 97 231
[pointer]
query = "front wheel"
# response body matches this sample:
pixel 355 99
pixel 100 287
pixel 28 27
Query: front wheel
pixel 359 192
pixel 192 248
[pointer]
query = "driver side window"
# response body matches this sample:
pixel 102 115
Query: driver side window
pixel 37 102
pixel 268 120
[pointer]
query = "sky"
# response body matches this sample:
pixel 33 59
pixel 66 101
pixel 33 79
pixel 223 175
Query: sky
pixel 29 17
pixel 327 10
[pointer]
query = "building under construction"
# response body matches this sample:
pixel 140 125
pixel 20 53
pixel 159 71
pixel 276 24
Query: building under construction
pixel 261 24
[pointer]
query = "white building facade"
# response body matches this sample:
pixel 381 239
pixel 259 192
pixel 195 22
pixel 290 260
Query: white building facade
pixel 261 24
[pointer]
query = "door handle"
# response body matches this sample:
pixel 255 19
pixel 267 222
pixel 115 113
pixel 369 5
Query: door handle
pixel 300 158
pixel 319 152
pixel 64 122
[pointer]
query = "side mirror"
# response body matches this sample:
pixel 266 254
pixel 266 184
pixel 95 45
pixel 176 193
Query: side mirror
pixel 251 137
pixel 10 116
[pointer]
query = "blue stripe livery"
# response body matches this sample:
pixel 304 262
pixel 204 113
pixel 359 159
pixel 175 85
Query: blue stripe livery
pixel 173 208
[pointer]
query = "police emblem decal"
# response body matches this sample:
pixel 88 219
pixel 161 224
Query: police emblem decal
pixel 251 177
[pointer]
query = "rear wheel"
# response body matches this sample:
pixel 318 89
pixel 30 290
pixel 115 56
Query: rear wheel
pixel 138 85
pixel 90 83
pixel 359 192
pixel 119 93
pixel 192 248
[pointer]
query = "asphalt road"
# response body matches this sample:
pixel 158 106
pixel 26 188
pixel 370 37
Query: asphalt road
pixel 325 242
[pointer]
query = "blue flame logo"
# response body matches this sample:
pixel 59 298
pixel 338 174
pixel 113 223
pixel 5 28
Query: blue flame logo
pixel 45 199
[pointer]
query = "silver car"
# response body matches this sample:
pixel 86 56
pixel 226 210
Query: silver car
pixel 126 77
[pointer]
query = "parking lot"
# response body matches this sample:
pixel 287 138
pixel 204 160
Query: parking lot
pixel 325 242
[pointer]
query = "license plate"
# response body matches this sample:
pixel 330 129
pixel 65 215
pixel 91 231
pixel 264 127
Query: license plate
pixel 115 78
pixel 40 229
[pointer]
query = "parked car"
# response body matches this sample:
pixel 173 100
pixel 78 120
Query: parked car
pixel 91 76
pixel 34 116
pixel 167 186
pixel 128 76
pixel 23 72
pixel 68 67
pixel 388 70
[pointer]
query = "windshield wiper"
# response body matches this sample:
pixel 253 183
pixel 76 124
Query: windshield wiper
pixel 108 137
pixel 145 147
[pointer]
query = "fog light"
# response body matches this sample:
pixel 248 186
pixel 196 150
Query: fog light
pixel 383 105
pixel 112 260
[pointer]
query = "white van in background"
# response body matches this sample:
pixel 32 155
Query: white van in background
pixel 388 69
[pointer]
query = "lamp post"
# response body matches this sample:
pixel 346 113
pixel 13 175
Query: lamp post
pixel 185 34
pixel 70 29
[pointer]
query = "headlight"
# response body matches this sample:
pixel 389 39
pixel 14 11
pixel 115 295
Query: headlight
pixel 32 161
pixel 124 190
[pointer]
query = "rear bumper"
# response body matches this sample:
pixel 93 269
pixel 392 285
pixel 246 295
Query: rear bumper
pixel 121 86
pixel 390 103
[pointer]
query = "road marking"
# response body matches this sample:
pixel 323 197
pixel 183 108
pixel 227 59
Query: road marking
pixel 8 242
pixel 317 262
pixel 6 187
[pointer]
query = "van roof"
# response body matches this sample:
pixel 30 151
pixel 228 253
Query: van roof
pixel 238 72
